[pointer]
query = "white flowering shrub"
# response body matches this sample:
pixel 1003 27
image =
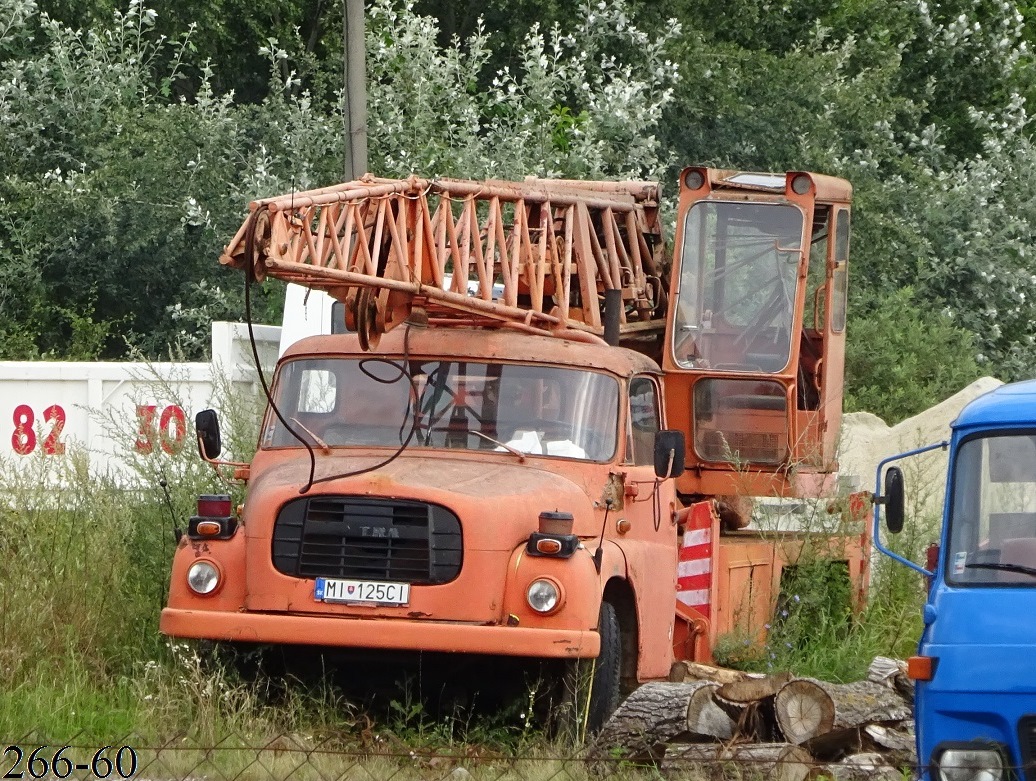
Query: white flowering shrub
pixel 571 107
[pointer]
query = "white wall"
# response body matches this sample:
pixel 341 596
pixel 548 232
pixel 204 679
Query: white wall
pixel 53 408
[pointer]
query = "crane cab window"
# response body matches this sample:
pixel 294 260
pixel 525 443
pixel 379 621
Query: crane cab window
pixel 738 282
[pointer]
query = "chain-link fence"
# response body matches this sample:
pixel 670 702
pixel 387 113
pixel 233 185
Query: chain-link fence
pixel 300 759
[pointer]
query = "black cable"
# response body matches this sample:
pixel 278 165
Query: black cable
pixel 656 504
pixel 249 276
pixel 403 372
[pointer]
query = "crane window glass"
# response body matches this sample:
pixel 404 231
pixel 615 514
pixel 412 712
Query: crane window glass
pixel 738 282
pixel 644 421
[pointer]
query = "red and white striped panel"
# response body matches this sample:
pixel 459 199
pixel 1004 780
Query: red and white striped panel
pixel 694 572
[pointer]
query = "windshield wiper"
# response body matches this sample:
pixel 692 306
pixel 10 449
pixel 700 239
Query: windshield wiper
pixel 1006 567
pixel 323 445
pixel 508 448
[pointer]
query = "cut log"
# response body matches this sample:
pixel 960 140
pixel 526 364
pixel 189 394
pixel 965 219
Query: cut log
pixel 752 720
pixel 780 761
pixel 693 671
pixel 749 703
pixel 652 715
pixel 835 745
pixel 891 738
pixel 863 767
pixel 806 707
pixel 752 689
pixel 891 673
pixel 897 744
pixel 706 719
pixel 884 668
pixel 803 710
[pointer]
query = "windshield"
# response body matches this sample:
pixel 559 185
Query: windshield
pixel 739 268
pixel 370 402
pixel 993 513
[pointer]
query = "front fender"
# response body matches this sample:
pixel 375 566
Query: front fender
pixel 229 558
pixel 579 582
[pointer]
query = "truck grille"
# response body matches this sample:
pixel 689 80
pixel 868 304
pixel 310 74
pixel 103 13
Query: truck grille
pixel 367 539
pixel 1027 743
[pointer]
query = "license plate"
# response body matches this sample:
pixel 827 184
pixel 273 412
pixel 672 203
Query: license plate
pixel 361 592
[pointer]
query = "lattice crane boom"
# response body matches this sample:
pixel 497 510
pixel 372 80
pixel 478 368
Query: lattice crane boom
pixel 538 254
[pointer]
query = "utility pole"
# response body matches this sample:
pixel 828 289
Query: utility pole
pixel 354 94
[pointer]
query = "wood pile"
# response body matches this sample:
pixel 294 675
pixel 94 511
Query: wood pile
pixel 788 728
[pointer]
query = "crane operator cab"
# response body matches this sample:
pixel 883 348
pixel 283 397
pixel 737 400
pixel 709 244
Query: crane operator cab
pixel 756 343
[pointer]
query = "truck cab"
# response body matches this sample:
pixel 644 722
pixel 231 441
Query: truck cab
pixel 975 701
pixel 470 491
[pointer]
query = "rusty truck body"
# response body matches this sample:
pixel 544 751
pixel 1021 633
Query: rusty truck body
pixel 531 437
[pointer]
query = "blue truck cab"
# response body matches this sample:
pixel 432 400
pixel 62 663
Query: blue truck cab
pixel 975 668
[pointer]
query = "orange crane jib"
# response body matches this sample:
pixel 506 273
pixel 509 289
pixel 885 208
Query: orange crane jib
pixel 537 255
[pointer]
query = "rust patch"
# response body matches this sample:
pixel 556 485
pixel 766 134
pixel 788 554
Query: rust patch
pixel 614 491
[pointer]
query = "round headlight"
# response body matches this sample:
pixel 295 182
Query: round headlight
pixel 202 577
pixel 543 596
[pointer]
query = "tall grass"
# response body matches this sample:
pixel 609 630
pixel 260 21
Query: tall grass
pixel 819 627
pixel 84 569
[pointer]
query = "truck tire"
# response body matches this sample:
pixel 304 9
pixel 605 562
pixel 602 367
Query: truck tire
pixel 604 688
pixel 597 679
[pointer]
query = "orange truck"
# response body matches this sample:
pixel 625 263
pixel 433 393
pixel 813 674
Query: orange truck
pixel 533 432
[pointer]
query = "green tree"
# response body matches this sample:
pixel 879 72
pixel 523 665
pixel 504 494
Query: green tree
pixel 902 358
pixel 122 184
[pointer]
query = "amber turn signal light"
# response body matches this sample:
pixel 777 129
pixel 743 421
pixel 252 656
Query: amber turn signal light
pixel 208 528
pixel 921 668
pixel 548 546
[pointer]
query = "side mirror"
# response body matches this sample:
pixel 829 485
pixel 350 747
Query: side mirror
pixel 893 499
pixel 209 444
pixel 670 449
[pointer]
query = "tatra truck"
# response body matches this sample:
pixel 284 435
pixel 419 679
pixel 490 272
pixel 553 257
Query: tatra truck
pixel 533 431
pixel 975 668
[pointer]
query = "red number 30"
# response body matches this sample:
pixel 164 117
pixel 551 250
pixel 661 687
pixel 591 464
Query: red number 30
pixel 171 428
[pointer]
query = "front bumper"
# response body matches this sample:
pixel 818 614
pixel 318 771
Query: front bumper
pixel 407 635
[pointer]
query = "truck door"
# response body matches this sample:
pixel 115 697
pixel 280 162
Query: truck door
pixel 650 545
